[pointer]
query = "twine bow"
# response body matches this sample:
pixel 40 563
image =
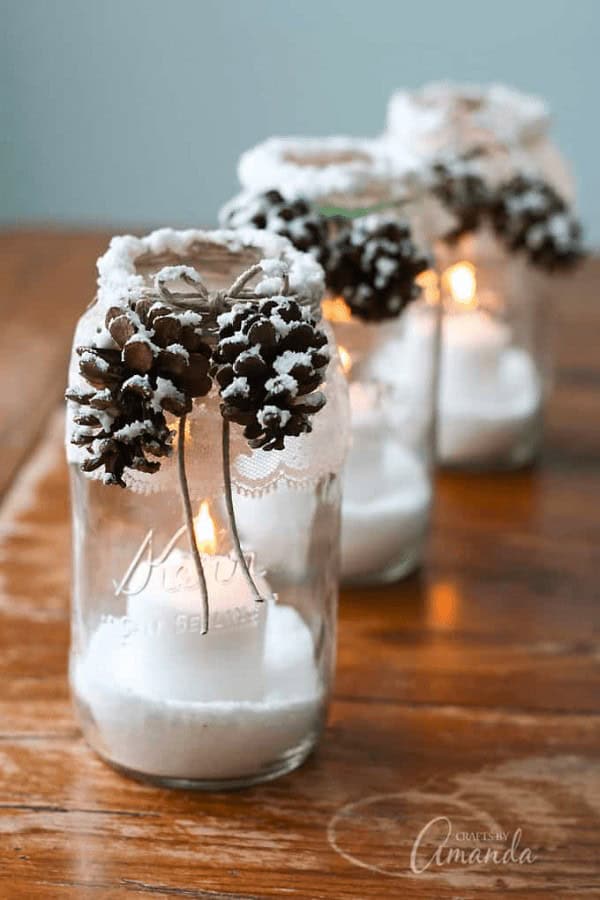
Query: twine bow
pixel 203 300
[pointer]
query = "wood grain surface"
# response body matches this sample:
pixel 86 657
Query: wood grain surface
pixel 469 693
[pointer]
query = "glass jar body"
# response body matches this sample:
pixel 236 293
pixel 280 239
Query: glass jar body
pixel 246 701
pixel 496 359
pixel 392 374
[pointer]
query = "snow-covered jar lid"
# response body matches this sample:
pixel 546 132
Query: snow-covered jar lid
pixel 442 118
pixel 328 169
pixel 174 265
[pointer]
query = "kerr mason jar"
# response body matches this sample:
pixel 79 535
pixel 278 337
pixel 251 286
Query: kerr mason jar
pixel 156 697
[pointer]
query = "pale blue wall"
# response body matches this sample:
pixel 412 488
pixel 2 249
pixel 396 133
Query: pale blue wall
pixel 134 111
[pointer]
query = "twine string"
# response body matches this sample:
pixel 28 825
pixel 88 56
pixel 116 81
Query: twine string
pixel 189 521
pixel 231 514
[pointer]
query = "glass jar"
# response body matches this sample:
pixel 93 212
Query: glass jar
pixel 246 701
pixel 496 359
pixel 391 365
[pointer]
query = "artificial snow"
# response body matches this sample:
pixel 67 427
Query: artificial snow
pixel 270 414
pixel 282 384
pixel 239 387
pixel 175 273
pixel 309 167
pixel 284 364
pixel 165 389
pixel 203 740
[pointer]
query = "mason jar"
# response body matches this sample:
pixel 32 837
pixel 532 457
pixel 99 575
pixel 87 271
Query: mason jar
pixel 204 593
pixel 391 364
pixel 499 220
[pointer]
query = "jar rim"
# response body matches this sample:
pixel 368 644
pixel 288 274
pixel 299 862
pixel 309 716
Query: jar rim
pixel 120 275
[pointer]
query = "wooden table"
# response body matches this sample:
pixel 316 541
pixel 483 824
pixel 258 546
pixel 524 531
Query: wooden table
pixel 470 691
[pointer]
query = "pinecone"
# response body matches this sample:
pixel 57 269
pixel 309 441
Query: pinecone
pixel 269 361
pixel 296 220
pixel 531 216
pixel 160 363
pixel 373 266
pixel 463 192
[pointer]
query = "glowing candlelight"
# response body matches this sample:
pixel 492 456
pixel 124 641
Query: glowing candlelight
pixel 204 528
pixel 345 359
pixel 335 309
pixel 429 283
pixel 460 282
pixel 488 392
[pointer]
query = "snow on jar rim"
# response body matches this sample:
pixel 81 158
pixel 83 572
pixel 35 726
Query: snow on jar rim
pixel 427 118
pixel 120 267
pixel 318 167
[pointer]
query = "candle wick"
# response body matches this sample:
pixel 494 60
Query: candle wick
pixel 189 521
pixel 230 512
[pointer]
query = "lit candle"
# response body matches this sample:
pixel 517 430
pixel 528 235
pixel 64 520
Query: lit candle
pixel 345 359
pixel 173 657
pixel 489 390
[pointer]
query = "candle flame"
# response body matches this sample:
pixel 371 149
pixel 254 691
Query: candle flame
pixel 204 529
pixel 175 425
pixel 429 284
pixel 345 359
pixel 335 309
pixel 461 283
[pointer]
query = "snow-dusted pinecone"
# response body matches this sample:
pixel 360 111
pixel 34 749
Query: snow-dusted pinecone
pixel 159 364
pixel 531 216
pixel 373 266
pixel 463 193
pixel 293 219
pixel 269 361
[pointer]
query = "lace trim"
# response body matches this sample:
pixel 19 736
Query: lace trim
pixel 304 462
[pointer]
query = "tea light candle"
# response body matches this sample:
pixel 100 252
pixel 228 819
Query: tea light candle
pixel 164 620
pixel 173 657
pixel 489 390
